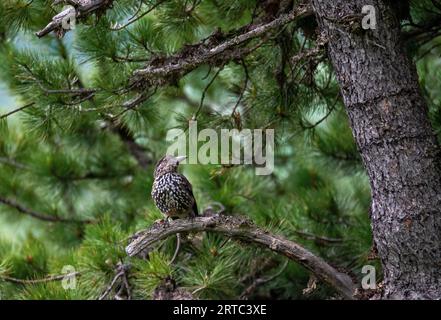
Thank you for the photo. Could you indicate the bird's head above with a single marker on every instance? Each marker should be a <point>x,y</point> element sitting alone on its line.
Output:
<point>167,164</point>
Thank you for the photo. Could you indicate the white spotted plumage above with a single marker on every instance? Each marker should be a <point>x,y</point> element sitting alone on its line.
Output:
<point>171,191</point>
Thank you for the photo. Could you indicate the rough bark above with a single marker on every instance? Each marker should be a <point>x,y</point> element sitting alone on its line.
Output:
<point>242,229</point>
<point>389,121</point>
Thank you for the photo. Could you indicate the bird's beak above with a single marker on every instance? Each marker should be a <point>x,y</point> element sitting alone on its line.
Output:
<point>181,158</point>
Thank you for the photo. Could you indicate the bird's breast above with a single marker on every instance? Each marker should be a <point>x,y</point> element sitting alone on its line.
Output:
<point>170,194</point>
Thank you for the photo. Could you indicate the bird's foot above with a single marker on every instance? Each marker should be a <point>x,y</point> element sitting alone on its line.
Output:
<point>163,222</point>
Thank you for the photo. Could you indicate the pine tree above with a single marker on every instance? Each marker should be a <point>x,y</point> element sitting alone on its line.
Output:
<point>93,108</point>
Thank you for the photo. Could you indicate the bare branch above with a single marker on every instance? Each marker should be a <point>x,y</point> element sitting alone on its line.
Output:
<point>13,163</point>
<point>201,104</point>
<point>320,240</point>
<point>135,17</point>
<point>330,109</point>
<point>310,53</point>
<point>121,279</point>
<point>80,91</point>
<point>247,77</point>
<point>167,290</point>
<point>16,110</point>
<point>135,102</point>
<point>43,280</point>
<point>38,215</point>
<point>259,281</point>
<point>242,229</point>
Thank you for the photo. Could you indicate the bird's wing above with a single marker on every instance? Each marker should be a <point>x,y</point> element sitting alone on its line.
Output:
<point>195,207</point>
<point>189,188</point>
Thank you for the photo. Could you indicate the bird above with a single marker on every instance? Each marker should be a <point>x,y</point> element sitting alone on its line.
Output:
<point>172,193</point>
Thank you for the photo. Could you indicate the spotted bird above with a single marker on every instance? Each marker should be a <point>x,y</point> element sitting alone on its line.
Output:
<point>172,192</point>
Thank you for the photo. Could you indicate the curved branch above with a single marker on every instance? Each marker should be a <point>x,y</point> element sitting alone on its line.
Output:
<point>242,229</point>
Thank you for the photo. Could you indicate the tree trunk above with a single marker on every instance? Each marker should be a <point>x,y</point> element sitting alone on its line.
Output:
<point>389,121</point>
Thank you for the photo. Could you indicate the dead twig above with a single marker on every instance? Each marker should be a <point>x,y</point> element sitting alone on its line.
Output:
<point>259,281</point>
<point>135,17</point>
<point>201,104</point>
<point>247,78</point>
<point>121,275</point>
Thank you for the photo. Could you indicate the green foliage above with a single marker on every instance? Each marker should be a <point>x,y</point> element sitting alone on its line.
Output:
<point>148,275</point>
<point>211,273</point>
<point>18,15</point>
<point>74,155</point>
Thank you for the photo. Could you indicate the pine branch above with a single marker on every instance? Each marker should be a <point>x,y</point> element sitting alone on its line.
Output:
<point>210,51</point>
<point>424,32</point>
<point>80,91</point>
<point>259,267</point>
<point>242,92</point>
<point>13,163</point>
<point>136,150</point>
<point>201,103</point>
<point>242,229</point>
<point>38,215</point>
<point>137,17</point>
<point>121,279</point>
<point>319,240</point>
<point>168,290</point>
<point>99,176</point>
<point>43,280</point>
<point>85,93</point>
<point>3,116</point>
<point>83,9</point>
<point>259,281</point>
<point>312,52</point>
<point>135,102</point>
